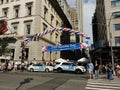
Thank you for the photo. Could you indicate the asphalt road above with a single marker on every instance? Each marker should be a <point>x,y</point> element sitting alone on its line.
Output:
<point>42,81</point>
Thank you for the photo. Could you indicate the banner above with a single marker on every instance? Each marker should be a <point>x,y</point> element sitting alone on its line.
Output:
<point>3,27</point>
<point>38,35</point>
<point>62,47</point>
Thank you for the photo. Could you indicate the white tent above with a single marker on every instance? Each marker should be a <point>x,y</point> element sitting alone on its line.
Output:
<point>60,60</point>
<point>83,60</point>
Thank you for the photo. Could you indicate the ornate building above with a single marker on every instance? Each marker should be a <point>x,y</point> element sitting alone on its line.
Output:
<point>28,17</point>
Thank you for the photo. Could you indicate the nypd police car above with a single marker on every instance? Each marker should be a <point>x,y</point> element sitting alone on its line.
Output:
<point>69,66</point>
<point>40,67</point>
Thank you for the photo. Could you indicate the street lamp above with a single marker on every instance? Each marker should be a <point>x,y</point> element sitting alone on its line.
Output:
<point>111,48</point>
<point>110,40</point>
<point>22,51</point>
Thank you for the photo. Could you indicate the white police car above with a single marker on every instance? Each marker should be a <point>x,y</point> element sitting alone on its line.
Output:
<point>69,66</point>
<point>40,67</point>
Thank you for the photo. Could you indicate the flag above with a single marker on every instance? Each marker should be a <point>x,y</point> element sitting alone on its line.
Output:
<point>84,45</point>
<point>3,28</point>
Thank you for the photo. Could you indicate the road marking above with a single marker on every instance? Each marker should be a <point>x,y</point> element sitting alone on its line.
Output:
<point>103,84</point>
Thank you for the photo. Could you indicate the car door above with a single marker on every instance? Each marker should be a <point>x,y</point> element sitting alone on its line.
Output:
<point>41,67</point>
<point>65,66</point>
<point>72,67</point>
<point>36,67</point>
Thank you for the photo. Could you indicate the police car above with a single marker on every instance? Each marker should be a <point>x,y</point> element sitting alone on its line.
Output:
<point>40,67</point>
<point>69,66</point>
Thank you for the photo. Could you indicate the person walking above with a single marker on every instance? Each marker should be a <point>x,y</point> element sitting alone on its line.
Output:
<point>109,71</point>
<point>22,66</point>
<point>90,69</point>
<point>96,68</point>
<point>118,70</point>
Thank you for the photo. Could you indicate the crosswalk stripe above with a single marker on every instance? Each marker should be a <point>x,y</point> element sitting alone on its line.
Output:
<point>111,87</point>
<point>103,84</point>
<point>115,84</point>
<point>90,88</point>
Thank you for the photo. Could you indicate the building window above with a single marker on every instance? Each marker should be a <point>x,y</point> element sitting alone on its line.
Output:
<point>2,2</point>
<point>44,26</point>
<point>116,14</point>
<point>7,1</point>
<point>16,9</point>
<point>115,3</point>
<point>28,29</point>
<point>57,23</point>
<point>29,8</point>
<point>45,12</point>
<point>51,36</point>
<point>16,13</point>
<point>15,29</point>
<point>117,27</point>
<point>5,11</point>
<point>117,41</point>
<point>52,18</point>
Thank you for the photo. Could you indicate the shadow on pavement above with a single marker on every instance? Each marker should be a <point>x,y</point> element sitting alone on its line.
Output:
<point>27,80</point>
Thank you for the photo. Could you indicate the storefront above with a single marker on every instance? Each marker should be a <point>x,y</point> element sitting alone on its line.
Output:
<point>103,55</point>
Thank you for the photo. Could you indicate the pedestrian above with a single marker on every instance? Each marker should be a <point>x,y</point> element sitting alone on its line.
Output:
<point>15,66</point>
<point>115,68</point>
<point>90,67</point>
<point>96,68</point>
<point>109,71</point>
<point>6,66</point>
<point>22,66</point>
<point>118,70</point>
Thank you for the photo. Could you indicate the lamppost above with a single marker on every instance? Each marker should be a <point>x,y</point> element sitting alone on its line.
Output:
<point>110,41</point>
<point>22,51</point>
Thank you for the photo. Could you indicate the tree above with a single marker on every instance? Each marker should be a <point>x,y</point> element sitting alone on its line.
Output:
<point>3,46</point>
<point>4,42</point>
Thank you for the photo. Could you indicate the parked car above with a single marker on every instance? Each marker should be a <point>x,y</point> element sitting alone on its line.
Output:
<point>69,66</point>
<point>40,67</point>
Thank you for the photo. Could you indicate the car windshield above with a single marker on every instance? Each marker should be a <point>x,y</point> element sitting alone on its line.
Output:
<point>57,63</point>
<point>37,64</point>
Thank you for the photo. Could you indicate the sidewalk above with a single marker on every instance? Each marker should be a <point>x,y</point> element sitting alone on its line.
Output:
<point>104,76</point>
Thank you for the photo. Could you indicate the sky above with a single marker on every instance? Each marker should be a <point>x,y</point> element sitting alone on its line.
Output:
<point>88,12</point>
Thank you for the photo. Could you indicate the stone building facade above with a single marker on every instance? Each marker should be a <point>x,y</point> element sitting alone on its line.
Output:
<point>26,18</point>
<point>106,29</point>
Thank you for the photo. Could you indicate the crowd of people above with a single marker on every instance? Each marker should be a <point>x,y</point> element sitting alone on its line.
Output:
<point>14,66</point>
<point>96,69</point>
<point>8,66</point>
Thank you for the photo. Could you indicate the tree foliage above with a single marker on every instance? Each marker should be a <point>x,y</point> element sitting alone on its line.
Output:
<point>4,43</point>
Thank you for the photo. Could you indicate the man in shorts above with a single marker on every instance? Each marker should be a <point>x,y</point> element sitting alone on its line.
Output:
<point>90,69</point>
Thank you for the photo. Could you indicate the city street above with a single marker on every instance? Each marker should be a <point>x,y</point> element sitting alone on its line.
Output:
<point>42,81</point>
<point>54,81</point>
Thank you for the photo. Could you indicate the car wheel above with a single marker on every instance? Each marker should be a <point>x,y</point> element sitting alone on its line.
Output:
<point>59,69</point>
<point>31,70</point>
<point>46,70</point>
<point>78,71</point>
